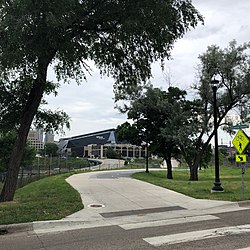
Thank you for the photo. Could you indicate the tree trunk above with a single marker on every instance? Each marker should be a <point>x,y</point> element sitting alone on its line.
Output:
<point>169,168</point>
<point>193,173</point>
<point>194,168</point>
<point>33,102</point>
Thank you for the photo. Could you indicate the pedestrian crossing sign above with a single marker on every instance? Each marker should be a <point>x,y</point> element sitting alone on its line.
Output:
<point>240,141</point>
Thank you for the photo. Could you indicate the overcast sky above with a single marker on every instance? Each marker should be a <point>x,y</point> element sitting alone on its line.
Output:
<point>91,105</point>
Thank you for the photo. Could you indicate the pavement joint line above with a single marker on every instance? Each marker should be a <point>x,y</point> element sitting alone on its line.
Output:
<point>141,211</point>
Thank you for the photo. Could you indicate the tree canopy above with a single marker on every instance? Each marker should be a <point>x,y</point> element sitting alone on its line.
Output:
<point>160,118</point>
<point>69,32</point>
<point>122,37</point>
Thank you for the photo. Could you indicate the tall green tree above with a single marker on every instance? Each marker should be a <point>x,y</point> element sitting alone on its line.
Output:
<point>143,111</point>
<point>122,37</point>
<point>177,115</point>
<point>159,117</point>
<point>232,65</point>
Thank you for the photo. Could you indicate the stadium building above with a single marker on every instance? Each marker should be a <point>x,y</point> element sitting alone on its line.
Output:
<point>95,145</point>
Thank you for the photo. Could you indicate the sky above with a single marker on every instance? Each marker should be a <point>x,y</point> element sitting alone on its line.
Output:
<point>91,104</point>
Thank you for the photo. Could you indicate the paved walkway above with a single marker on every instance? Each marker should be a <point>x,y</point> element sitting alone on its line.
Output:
<point>112,198</point>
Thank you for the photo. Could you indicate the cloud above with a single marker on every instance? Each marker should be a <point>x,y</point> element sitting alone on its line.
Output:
<point>91,105</point>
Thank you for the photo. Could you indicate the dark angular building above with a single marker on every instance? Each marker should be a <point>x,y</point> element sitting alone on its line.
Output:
<point>94,145</point>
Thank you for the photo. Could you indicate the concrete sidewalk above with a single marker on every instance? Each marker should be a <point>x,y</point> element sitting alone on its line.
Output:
<point>112,198</point>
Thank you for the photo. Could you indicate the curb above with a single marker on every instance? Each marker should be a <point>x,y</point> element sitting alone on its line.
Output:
<point>16,228</point>
<point>245,203</point>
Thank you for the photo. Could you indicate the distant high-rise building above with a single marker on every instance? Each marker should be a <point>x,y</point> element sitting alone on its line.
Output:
<point>35,138</point>
<point>49,137</point>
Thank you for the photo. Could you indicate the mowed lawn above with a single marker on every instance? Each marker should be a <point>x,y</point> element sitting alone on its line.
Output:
<point>231,181</point>
<point>50,198</point>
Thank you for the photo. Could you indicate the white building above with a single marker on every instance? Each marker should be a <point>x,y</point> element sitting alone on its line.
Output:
<point>35,139</point>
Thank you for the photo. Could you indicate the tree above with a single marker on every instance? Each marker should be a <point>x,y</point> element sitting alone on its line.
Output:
<point>159,117</point>
<point>112,154</point>
<point>13,96</point>
<point>142,112</point>
<point>232,65</point>
<point>6,143</point>
<point>179,121</point>
<point>28,156</point>
<point>50,148</point>
<point>127,132</point>
<point>171,122</point>
<point>122,37</point>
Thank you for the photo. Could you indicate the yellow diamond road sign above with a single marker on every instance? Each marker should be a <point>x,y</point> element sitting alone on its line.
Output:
<point>241,158</point>
<point>240,141</point>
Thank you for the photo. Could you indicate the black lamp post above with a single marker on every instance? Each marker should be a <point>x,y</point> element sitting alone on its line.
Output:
<point>147,171</point>
<point>145,143</point>
<point>146,132</point>
<point>217,185</point>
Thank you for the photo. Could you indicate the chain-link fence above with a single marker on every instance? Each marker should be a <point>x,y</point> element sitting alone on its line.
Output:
<point>47,166</point>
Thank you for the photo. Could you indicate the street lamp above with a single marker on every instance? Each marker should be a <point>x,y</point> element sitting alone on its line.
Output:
<point>147,171</point>
<point>146,154</point>
<point>145,143</point>
<point>217,185</point>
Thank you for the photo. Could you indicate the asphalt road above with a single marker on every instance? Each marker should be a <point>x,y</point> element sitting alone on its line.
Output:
<point>116,237</point>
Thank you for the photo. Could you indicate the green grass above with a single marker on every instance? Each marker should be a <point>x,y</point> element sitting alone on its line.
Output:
<point>231,180</point>
<point>53,198</point>
<point>47,199</point>
<point>140,163</point>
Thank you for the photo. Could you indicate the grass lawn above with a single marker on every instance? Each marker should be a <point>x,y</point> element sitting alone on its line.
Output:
<point>231,180</point>
<point>47,199</point>
<point>53,198</point>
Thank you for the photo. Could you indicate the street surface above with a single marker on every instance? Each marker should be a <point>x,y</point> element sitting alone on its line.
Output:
<point>122,213</point>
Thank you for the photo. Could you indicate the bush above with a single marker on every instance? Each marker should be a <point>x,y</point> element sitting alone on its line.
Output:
<point>112,154</point>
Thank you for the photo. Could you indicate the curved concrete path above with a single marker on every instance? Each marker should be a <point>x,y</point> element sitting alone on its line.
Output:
<point>112,198</point>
